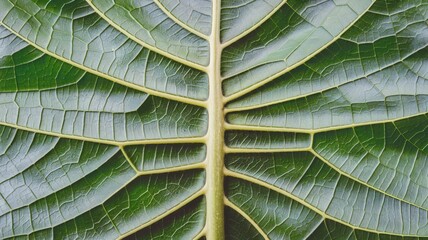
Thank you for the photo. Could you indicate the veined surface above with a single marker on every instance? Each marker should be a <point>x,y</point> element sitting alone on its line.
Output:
<point>222,119</point>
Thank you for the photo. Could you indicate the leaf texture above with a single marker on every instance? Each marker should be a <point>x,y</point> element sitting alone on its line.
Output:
<point>213,119</point>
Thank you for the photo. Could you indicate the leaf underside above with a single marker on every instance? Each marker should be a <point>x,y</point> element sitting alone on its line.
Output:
<point>106,119</point>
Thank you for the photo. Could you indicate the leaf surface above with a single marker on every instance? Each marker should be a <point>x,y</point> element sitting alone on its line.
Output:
<point>213,119</point>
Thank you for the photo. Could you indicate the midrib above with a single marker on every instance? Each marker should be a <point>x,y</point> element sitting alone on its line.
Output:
<point>215,135</point>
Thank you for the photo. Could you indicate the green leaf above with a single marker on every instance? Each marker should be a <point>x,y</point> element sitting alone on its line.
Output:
<point>214,119</point>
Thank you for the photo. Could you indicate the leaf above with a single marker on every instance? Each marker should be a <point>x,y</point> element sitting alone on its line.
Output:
<point>204,119</point>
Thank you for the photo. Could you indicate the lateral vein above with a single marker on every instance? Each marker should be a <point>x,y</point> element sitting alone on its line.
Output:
<point>165,95</point>
<point>148,46</point>
<point>303,202</point>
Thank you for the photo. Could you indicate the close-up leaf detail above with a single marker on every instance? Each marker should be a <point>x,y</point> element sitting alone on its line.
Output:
<point>214,119</point>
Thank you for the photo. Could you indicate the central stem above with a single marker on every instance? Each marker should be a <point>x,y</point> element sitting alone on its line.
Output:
<point>215,143</point>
